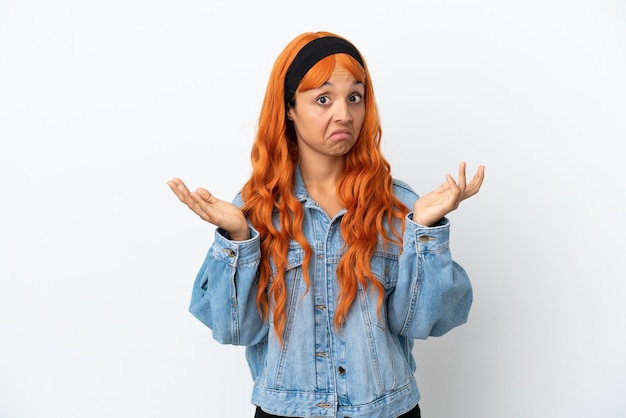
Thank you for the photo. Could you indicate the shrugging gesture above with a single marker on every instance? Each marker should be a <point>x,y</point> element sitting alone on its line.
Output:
<point>333,285</point>
<point>218,212</point>
<point>430,208</point>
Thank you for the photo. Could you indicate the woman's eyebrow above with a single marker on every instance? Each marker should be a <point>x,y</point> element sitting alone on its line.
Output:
<point>356,83</point>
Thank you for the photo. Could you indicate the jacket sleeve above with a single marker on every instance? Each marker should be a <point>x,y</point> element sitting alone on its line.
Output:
<point>433,294</point>
<point>224,291</point>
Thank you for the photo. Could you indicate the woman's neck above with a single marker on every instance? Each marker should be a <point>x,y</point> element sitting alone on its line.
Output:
<point>321,179</point>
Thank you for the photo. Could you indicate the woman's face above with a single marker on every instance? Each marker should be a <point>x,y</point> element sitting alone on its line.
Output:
<point>328,119</point>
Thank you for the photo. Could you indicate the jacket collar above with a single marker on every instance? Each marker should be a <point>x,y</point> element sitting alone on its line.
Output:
<point>299,189</point>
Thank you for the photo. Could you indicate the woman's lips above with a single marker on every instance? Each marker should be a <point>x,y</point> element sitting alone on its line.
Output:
<point>341,134</point>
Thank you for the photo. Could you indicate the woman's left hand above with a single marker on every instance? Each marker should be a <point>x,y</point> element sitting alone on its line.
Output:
<point>430,208</point>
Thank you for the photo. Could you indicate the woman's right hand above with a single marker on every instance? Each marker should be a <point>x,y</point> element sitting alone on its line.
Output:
<point>220,213</point>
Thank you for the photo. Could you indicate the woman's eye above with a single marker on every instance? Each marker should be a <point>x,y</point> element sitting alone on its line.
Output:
<point>322,100</point>
<point>356,98</point>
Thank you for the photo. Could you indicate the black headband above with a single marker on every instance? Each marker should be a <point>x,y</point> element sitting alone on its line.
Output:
<point>310,54</point>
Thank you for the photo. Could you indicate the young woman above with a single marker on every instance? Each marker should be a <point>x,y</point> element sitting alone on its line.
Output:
<point>324,266</point>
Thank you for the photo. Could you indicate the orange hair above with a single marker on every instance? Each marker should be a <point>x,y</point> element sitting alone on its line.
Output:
<point>365,190</point>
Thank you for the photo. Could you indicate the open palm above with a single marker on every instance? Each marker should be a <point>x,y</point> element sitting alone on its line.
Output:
<point>430,208</point>
<point>218,212</point>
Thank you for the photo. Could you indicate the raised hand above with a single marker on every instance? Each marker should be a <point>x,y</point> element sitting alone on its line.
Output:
<point>430,208</point>
<point>218,212</point>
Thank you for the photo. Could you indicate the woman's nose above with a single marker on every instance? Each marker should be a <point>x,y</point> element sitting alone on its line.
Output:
<point>342,111</point>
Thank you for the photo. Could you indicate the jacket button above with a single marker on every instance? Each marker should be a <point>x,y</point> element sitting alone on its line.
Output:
<point>425,238</point>
<point>341,370</point>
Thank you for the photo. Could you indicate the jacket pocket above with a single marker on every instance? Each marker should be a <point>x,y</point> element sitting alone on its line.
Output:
<point>385,269</point>
<point>281,361</point>
<point>293,277</point>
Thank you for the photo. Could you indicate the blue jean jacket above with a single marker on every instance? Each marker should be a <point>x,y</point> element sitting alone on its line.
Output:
<point>364,369</point>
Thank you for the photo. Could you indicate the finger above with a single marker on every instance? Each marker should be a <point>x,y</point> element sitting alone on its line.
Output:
<point>462,177</point>
<point>199,206</point>
<point>477,181</point>
<point>198,201</point>
<point>451,183</point>
<point>172,186</point>
<point>205,198</point>
<point>180,190</point>
<point>479,176</point>
<point>204,203</point>
<point>176,182</point>
<point>206,195</point>
<point>445,185</point>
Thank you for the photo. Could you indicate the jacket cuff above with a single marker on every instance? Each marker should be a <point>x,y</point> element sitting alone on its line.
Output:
<point>237,253</point>
<point>427,238</point>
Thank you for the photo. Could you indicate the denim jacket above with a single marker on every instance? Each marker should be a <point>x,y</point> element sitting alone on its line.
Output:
<point>364,369</point>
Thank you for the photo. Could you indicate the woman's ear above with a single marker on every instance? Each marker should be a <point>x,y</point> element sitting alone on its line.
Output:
<point>289,113</point>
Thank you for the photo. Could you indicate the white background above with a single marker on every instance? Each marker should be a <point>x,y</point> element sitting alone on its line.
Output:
<point>102,102</point>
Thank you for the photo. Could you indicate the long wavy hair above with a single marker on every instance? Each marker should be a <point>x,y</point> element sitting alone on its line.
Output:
<point>365,190</point>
